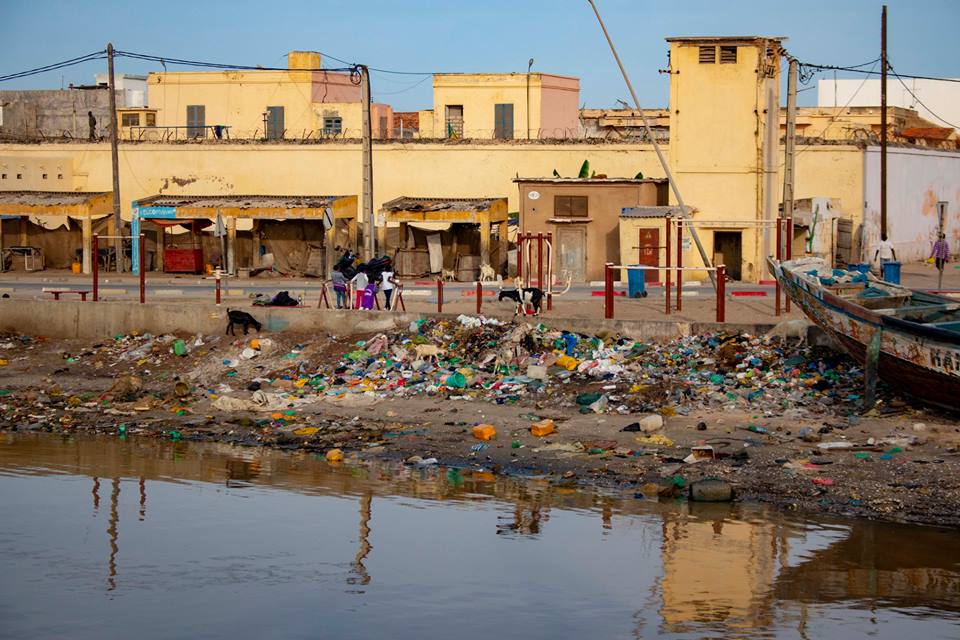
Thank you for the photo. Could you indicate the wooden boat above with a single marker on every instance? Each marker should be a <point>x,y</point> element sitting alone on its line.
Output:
<point>910,339</point>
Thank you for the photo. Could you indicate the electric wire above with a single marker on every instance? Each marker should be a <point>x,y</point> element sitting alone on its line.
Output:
<point>919,101</point>
<point>96,55</point>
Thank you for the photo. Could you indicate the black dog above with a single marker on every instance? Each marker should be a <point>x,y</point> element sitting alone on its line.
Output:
<point>522,297</point>
<point>242,318</point>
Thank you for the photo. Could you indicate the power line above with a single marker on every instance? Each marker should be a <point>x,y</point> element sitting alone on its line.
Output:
<point>856,69</point>
<point>919,101</point>
<point>96,55</point>
<point>217,65</point>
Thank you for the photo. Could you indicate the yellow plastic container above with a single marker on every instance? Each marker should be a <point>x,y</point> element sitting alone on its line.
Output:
<point>75,267</point>
<point>567,362</point>
<point>543,428</point>
<point>484,432</point>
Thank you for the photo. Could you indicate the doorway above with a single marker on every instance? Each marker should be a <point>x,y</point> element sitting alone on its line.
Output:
<point>572,252</point>
<point>649,248</point>
<point>728,251</point>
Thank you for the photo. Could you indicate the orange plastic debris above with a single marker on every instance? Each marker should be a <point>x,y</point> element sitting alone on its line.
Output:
<point>484,432</point>
<point>334,455</point>
<point>543,428</point>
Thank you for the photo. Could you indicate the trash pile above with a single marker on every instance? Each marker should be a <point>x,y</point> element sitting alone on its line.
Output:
<point>475,358</point>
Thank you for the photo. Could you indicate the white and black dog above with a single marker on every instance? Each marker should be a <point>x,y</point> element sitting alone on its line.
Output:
<point>522,297</point>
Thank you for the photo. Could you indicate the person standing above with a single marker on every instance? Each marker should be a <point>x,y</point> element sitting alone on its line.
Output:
<point>885,251</point>
<point>339,287</point>
<point>92,121</point>
<point>388,285</point>
<point>941,252</point>
<point>359,283</point>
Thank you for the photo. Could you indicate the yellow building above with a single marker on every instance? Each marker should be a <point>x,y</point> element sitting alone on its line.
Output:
<point>303,101</point>
<point>505,106</point>
<point>724,109</point>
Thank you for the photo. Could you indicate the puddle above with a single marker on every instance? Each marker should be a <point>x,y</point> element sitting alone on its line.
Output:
<point>102,538</point>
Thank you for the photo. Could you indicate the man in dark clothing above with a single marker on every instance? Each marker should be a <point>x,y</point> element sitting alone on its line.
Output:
<point>93,126</point>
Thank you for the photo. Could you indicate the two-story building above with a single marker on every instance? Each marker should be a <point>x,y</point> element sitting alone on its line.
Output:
<point>303,101</point>
<point>504,106</point>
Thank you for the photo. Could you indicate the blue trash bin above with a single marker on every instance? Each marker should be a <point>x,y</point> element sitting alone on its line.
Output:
<point>890,271</point>
<point>862,267</point>
<point>636,282</point>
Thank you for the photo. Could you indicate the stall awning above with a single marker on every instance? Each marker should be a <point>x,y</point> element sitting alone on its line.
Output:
<point>431,226</point>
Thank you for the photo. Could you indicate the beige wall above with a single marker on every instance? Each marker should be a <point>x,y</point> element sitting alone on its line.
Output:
<point>605,200</point>
<point>238,99</point>
<point>552,103</point>
<point>422,169</point>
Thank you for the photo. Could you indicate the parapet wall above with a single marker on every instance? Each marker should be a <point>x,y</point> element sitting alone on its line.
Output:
<point>93,320</point>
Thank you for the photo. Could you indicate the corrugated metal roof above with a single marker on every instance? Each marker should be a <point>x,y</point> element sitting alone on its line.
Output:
<point>49,198</point>
<point>649,212</point>
<point>591,180</point>
<point>239,201</point>
<point>405,203</point>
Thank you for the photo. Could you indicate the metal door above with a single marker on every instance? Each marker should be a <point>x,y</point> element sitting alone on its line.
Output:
<point>649,253</point>
<point>572,253</point>
<point>503,121</point>
<point>274,123</point>
<point>844,241</point>
<point>196,120</point>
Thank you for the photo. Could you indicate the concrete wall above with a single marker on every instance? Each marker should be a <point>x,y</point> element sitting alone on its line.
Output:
<point>89,320</point>
<point>238,99</point>
<point>54,113</point>
<point>552,103</point>
<point>943,97</point>
<point>916,180</point>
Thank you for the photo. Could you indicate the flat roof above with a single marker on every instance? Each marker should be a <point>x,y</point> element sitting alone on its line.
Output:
<point>239,201</point>
<point>591,180</point>
<point>724,38</point>
<point>649,212</point>
<point>407,203</point>
<point>49,198</point>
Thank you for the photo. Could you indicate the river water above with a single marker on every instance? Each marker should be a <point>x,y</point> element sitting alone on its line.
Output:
<point>103,538</point>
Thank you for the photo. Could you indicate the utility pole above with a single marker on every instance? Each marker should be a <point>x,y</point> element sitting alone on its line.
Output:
<point>369,247</point>
<point>883,122</point>
<point>789,155</point>
<point>115,162</point>
<point>656,147</point>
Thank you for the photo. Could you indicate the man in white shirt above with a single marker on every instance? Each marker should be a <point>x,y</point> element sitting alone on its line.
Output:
<point>885,251</point>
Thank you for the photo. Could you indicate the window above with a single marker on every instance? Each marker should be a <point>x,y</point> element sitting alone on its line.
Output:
<point>196,120</point>
<point>3,176</point>
<point>503,121</point>
<point>332,125</point>
<point>44,176</point>
<point>708,55</point>
<point>59,176</point>
<point>454,121</point>
<point>130,120</point>
<point>570,206</point>
<point>728,55</point>
<point>19,176</point>
<point>151,119</point>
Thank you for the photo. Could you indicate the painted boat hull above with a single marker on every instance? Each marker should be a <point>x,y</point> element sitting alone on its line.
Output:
<point>919,365</point>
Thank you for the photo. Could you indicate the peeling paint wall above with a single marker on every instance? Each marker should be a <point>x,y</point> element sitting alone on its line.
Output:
<point>916,180</point>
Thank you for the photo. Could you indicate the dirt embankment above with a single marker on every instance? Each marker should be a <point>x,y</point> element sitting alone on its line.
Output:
<point>779,424</point>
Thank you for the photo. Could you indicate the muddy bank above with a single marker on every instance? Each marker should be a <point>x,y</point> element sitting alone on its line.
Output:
<point>780,424</point>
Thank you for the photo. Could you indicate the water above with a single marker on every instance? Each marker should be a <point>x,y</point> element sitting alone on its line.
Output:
<point>108,539</point>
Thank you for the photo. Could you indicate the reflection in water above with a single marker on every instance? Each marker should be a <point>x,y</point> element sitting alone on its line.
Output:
<point>706,569</point>
<point>143,498</point>
<point>112,531</point>
<point>363,545</point>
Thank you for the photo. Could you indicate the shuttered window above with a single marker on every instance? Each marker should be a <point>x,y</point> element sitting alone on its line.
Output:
<point>503,121</point>
<point>570,206</point>
<point>708,55</point>
<point>728,55</point>
<point>196,120</point>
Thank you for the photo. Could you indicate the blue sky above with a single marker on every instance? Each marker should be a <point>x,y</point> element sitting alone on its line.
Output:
<point>467,35</point>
